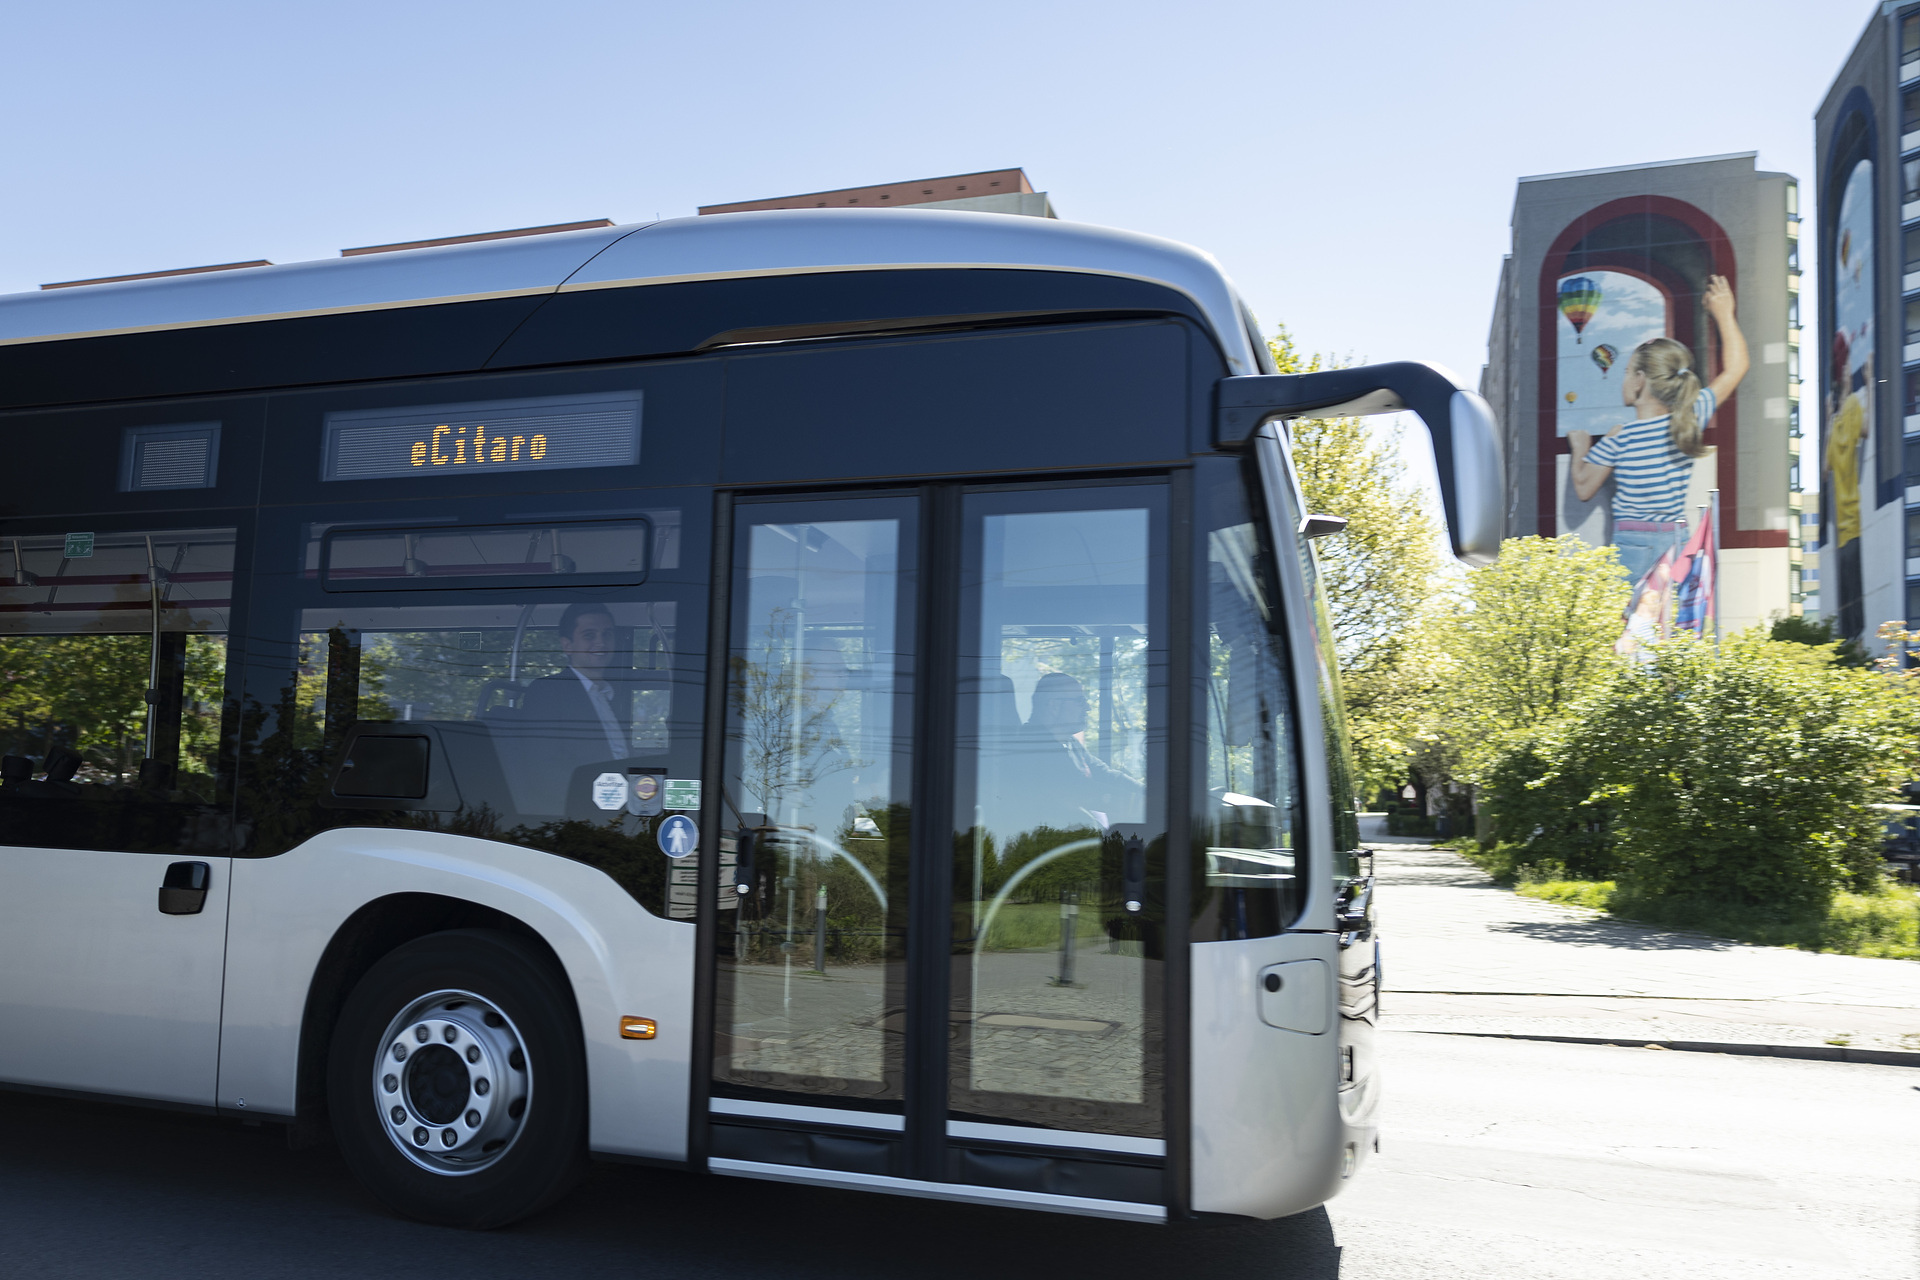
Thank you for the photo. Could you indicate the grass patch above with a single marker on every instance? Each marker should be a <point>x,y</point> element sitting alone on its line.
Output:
<point>1506,862</point>
<point>1035,926</point>
<point>1883,925</point>
<point>1597,894</point>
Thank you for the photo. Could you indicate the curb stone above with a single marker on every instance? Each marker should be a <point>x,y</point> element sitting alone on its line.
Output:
<point>1816,1052</point>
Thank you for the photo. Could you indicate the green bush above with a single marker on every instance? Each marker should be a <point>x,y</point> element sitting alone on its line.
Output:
<point>1540,804</point>
<point>1745,775</point>
<point>1741,777</point>
<point>1409,824</point>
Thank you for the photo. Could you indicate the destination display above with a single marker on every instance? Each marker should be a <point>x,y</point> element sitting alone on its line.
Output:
<point>546,433</point>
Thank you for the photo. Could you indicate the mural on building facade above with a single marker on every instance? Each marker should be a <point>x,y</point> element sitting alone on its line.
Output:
<point>1634,396</point>
<point>1847,399</point>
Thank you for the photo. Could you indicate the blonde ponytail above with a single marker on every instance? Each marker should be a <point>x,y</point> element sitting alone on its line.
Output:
<point>1668,367</point>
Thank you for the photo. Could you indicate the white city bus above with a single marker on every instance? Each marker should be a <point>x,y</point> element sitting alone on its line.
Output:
<point>828,696</point>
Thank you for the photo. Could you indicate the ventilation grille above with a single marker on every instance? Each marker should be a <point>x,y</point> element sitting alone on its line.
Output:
<point>171,457</point>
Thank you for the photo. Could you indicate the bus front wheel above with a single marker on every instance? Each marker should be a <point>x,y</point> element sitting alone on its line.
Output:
<point>457,1081</point>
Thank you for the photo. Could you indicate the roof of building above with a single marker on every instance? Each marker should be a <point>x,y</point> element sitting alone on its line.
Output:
<point>891,195</point>
<point>1629,168</point>
<point>791,242</point>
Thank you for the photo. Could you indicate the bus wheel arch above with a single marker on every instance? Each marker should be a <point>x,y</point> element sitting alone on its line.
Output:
<point>363,939</point>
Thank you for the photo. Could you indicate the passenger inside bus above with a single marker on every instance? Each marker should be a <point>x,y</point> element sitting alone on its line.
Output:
<point>1057,781</point>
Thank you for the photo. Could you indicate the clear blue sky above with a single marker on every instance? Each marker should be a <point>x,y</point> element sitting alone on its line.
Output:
<point>1352,165</point>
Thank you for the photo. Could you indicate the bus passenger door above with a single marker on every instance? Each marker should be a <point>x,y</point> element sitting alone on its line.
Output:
<point>810,1027</point>
<point>114,812</point>
<point>941,935</point>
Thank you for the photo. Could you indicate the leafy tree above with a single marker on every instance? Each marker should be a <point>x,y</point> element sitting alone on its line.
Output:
<point>1532,636</point>
<point>1847,652</point>
<point>1380,573</point>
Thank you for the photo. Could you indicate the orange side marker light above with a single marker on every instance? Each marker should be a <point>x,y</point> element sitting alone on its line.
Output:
<point>637,1028</point>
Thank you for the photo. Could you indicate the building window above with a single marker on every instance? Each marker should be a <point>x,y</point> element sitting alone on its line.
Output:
<point>1913,319</point>
<point>1913,602</point>
<point>1909,112</point>
<point>1793,255</point>
<point>1913,532</point>
<point>1913,391</point>
<point>1793,311</point>
<point>1913,460</point>
<point>1909,40</point>
<point>1793,475</point>
<point>1910,180</point>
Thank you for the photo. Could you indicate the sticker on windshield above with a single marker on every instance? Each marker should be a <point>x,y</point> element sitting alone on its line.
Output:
<point>610,790</point>
<point>678,836</point>
<point>683,793</point>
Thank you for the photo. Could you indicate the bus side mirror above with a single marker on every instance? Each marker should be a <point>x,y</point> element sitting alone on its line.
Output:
<point>1466,440</point>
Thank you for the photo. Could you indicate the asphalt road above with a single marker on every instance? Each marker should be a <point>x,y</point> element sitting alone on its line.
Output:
<point>1502,1158</point>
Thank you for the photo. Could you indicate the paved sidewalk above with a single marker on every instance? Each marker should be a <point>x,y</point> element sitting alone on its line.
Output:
<point>1462,954</point>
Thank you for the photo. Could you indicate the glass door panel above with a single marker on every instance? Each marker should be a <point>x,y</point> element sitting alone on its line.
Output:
<point>1057,911</point>
<point>811,982</point>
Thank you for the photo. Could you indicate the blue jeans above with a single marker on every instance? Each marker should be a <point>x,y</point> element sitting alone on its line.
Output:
<point>1641,549</point>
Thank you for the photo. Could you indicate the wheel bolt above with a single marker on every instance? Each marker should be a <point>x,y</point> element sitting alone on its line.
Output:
<point>448,1137</point>
<point>399,1115</point>
<point>452,1033</point>
<point>481,1086</point>
<point>473,1053</point>
<point>495,1020</point>
<point>421,1033</point>
<point>390,1083</point>
<point>419,1136</point>
<point>473,1119</point>
<point>517,1060</point>
<point>399,1053</point>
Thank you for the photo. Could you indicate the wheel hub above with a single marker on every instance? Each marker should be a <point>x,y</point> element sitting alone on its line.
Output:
<point>452,1082</point>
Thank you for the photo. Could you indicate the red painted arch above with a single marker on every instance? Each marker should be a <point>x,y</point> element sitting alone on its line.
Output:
<point>1724,432</point>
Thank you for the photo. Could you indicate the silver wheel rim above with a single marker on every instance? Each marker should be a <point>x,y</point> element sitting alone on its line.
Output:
<point>451,1082</point>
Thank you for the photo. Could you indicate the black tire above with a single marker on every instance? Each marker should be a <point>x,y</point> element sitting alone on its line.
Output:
<point>517,991</point>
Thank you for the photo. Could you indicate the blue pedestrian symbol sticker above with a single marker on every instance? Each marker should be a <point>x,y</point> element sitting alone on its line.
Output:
<point>678,836</point>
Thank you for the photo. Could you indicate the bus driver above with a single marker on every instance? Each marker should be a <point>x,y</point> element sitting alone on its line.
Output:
<point>578,715</point>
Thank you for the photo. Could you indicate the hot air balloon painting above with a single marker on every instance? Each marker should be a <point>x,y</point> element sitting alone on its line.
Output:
<point>1579,299</point>
<point>1604,355</point>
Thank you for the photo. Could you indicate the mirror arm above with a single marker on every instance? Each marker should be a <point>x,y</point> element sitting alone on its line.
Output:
<point>1466,442</point>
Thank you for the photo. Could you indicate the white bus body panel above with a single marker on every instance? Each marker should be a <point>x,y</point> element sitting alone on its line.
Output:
<point>99,992</point>
<point>620,959</point>
<point>723,246</point>
<point>1268,1135</point>
<point>775,242</point>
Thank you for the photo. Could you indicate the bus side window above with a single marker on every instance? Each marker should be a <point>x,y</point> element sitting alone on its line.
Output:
<point>1248,879</point>
<point>114,652</point>
<point>537,721</point>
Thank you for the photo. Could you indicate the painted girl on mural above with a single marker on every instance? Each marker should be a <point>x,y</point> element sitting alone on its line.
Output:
<point>1651,457</point>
